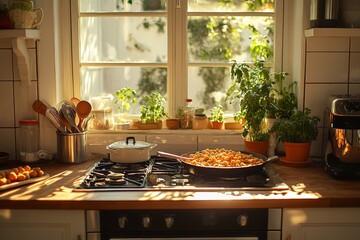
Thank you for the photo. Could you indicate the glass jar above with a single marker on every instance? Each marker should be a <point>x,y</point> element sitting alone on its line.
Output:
<point>199,122</point>
<point>29,140</point>
<point>186,121</point>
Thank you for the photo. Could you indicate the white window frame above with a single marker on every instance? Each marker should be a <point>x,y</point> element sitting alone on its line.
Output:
<point>177,66</point>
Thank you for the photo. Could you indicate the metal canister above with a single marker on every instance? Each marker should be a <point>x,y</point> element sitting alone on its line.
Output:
<point>71,147</point>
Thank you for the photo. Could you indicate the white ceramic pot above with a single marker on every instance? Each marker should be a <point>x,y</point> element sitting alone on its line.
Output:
<point>130,151</point>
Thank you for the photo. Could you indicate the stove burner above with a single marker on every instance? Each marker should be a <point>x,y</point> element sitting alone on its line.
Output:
<point>164,173</point>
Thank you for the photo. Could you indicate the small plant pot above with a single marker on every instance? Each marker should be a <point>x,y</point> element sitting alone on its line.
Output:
<point>233,126</point>
<point>257,147</point>
<point>149,126</point>
<point>173,123</point>
<point>297,152</point>
<point>217,125</point>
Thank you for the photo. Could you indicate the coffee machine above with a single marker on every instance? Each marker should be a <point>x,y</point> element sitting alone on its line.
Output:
<point>342,156</point>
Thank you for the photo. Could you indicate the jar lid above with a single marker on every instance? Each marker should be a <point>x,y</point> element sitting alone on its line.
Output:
<point>189,100</point>
<point>29,122</point>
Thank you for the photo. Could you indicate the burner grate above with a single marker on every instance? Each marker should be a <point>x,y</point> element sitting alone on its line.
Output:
<point>164,173</point>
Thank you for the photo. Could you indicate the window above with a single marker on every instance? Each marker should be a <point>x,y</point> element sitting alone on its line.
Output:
<point>182,49</point>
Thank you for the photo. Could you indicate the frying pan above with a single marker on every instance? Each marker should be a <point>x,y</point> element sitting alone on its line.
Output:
<point>226,172</point>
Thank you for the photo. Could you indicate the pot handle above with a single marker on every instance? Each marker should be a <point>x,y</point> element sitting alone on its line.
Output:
<point>130,138</point>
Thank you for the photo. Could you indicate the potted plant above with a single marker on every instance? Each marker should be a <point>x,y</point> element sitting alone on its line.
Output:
<point>152,111</point>
<point>217,117</point>
<point>283,104</point>
<point>174,123</point>
<point>251,86</point>
<point>125,97</point>
<point>297,133</point>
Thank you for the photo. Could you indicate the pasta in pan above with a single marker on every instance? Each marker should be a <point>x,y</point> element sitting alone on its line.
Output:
<point>221,157</point>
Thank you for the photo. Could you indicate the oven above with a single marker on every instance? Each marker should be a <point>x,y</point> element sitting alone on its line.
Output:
<point>184,224</point>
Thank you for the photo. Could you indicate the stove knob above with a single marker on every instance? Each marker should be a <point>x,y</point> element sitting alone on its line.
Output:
<point>169,222</point>
<point>146,222</point>
<point>122,221</point>
<point>242,220</point>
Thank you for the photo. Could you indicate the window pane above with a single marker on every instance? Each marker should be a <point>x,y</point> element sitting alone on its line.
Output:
<point>235,5</point>
<point>209,86</point>
<point>121,5</point>
<point>222,39</point>
<point>145,80</point>
<point>123,39</point>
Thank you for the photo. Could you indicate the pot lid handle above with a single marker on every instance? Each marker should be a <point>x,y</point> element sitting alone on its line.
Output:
<point>130,138</point>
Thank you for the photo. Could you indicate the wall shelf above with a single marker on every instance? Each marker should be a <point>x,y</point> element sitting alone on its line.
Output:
<point>332,32</point>
<point>19,37</point>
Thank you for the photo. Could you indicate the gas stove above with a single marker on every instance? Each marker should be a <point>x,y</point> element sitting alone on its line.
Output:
<point>160,173</point>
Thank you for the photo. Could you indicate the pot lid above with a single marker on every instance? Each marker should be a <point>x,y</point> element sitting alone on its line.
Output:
<point>130,143</point>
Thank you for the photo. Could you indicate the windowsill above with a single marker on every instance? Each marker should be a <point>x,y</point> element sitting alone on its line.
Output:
<point>168,131</point>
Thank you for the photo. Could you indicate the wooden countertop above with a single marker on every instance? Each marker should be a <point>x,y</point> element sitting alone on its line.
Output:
<point>310,186</point>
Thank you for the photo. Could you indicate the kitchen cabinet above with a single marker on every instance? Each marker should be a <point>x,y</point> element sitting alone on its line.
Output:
<point>42,224</point>
<point>321,223</point>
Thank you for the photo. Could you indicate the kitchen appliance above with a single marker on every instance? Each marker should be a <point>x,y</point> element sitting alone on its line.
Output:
<point>160,173</point>
<point>180,224</point>
<point>343,148</point>
<point>165,174</point>
<point>324,13</point>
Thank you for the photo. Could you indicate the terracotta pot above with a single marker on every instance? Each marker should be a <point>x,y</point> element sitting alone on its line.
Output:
<point>173,123</point>
<point>297,152</point>
<point>217,125</point>
<point>149,126</point>
<point>233,125</point>
<point>257,147</point>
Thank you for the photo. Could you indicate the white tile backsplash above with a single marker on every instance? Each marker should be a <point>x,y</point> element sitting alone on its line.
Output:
<point>317,95</point>
<point>327,67</point>
<point>32,56</point>
<point>6,72</point>
<point>176,144</point>
<point>354,72</point>
<point>7,141</point>
<point>355,45</point>
<point>16,98</point>
<point>7,106</point>
<point>235,142</point>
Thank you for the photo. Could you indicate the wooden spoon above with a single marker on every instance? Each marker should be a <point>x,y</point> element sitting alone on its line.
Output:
<point>83,109</point>
<point>75,101</point>
<point>39,107</point>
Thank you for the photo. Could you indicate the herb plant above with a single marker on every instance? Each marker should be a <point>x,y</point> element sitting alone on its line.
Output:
<point>217,114</point>
<point>152,109</point>
<point>125,96</point>
<point>251,86</point>
<point>301,127</point>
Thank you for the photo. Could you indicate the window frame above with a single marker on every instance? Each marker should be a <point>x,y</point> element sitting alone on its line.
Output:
<point>177,65</point>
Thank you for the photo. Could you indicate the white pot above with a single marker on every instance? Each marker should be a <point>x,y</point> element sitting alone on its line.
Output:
<point>130,151</point>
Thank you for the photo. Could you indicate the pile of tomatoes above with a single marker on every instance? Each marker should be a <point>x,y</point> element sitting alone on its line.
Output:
<point>19,174</point>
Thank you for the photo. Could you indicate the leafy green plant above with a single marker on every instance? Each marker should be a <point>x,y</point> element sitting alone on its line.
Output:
<point>251,86</point>
<point>284,100</point>
<point>125,97</point>
<point>152,109</point>
<point>301,127</point>
<point>217,114</point>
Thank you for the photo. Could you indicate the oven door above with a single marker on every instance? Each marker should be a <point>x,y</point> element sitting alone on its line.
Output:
<point>190,224</point>
<point>96,236</point>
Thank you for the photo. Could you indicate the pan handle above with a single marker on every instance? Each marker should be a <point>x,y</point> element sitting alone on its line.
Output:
<point>272,158</point>
<point>173,156</point>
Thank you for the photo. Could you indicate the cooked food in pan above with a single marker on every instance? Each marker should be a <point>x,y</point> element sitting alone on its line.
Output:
<point>221,157</point>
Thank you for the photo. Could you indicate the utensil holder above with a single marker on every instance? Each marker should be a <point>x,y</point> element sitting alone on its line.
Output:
<point>71,147</point>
